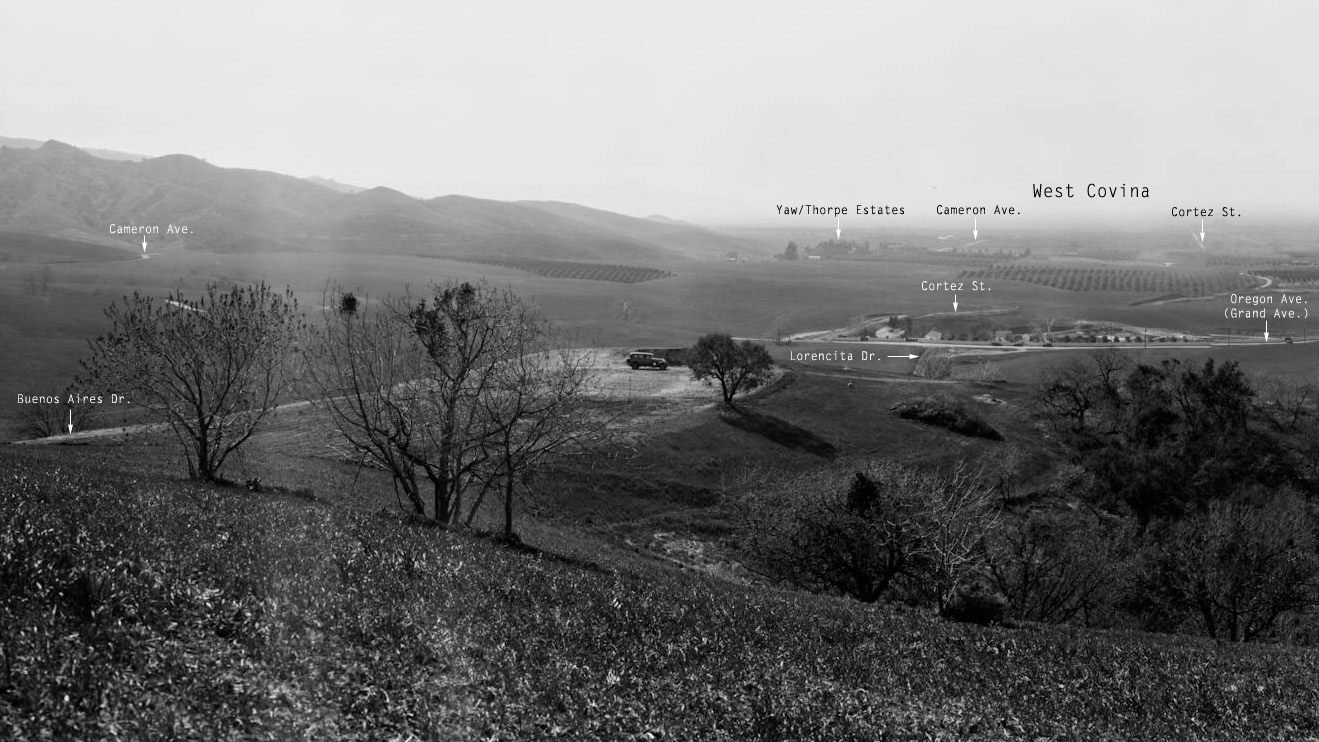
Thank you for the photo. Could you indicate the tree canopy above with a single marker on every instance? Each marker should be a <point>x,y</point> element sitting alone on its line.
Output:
<point>464,389</point>
<point>736,365</point>
<point>1164,438</point>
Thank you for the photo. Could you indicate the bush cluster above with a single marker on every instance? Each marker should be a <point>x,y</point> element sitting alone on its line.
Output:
<point>949,413</point>
<point>882,531</point>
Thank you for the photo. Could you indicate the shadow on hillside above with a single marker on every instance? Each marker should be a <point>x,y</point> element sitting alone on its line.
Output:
<point>779,431</point>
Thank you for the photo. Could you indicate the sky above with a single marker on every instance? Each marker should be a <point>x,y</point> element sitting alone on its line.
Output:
<point>709,111</point>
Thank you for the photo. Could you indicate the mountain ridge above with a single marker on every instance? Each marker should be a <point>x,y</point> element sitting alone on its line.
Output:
<point>63,190</point>
<point>105,154</point>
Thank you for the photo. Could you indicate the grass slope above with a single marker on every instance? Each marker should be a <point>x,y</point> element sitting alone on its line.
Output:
<point>33,248</point>
<point>138,607</point>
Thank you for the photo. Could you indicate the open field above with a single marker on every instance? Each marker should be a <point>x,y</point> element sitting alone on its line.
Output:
<point>1280,359</point>
<point>48,311</point>
<point>20,247</point>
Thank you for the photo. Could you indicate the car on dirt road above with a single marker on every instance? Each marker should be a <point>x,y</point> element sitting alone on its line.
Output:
<point>639,358</point>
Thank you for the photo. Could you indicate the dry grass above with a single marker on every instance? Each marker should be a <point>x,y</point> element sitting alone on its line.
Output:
<point>137,607</point>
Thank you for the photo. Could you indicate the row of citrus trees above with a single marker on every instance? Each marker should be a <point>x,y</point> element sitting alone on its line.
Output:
<point>1292,277</point>
<point>1115,279</point>
<point>581,271</point>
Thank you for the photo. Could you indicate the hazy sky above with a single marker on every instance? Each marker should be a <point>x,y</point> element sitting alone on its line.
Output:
<point>713,111</point>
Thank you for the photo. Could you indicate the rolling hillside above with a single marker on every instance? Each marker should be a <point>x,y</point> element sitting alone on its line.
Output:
<point>675,235</point>
<point>59,190</point>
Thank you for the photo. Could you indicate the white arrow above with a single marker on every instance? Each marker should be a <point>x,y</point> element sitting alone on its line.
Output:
<point>144,244</point>
<point>838,227</point>
<point>1266,331</point>
<point>954,302</point>
<point>70,419</point>
<point>1202,232</point>
<point>975,229</point>
<point>909,357</point>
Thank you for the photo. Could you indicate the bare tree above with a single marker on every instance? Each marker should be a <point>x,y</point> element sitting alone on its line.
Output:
<point>1059,566</point>
<point>44,419</point>
<point>1071,393</point>
<point>861,532</point>
<point>467,331</point>
<point>1043,328</point>
<point>958,512</point>
<point>213,368</point>
<point>854,532</point>
<point>1240,565</point>
<point>1287,401</point>
<point>363,365</point>
<point>463,389</point>
<point>538,412</point>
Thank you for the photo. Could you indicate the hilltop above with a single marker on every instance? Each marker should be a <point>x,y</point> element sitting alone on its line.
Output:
<point>104,154</point>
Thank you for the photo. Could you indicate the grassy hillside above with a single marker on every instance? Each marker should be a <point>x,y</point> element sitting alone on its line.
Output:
<point>19,247</point>
<point>139,607</point>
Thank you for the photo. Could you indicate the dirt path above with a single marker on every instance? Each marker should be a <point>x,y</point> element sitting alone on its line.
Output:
<point>99,433</point>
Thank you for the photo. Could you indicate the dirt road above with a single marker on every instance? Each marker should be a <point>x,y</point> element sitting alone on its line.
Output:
<point>673,388</point>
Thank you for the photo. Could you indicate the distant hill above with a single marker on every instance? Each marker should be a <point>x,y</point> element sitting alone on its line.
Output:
<point>60,190</point>
<point>104,154</point>
<point>667,220</point>
<point>334,185</point>
<point>671,234</point>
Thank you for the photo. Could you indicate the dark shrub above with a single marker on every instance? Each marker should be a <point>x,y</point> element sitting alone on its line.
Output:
<point>946,413</point>
<point>347,303</point>
<point>1060,566</point>
<point>976,603</point>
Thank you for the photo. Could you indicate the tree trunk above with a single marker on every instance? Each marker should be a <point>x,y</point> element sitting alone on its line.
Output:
<point>508,508</point>
<point>204,472</point>
<point>413,492</point>
<point>441,499</point>
<point>1207,613</point>
<point>728,395</point>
